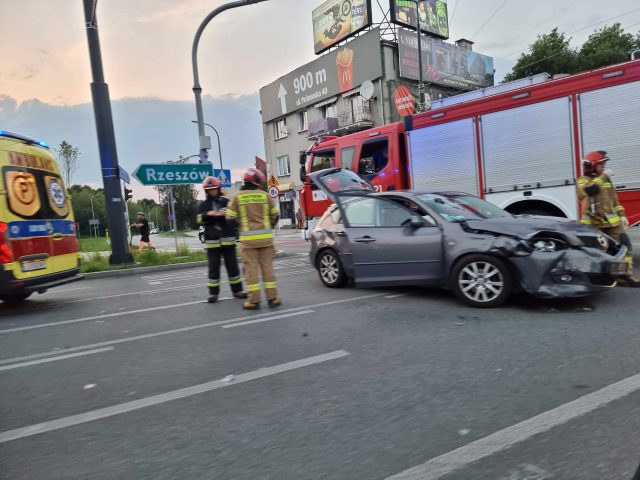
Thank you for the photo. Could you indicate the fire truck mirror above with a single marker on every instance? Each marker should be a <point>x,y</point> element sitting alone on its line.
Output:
<point>303,158</point>
<point>303,173</point>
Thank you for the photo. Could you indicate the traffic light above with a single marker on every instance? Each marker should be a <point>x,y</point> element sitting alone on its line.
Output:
<point>128,193</point>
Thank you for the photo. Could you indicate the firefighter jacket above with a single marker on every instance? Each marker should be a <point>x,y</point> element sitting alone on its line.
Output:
<point>217,230</point>
<point>256,215</point>
<point>599,201</point>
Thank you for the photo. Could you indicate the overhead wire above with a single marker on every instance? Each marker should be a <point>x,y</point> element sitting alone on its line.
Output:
<point>489,19</point>
<point>455,8</point>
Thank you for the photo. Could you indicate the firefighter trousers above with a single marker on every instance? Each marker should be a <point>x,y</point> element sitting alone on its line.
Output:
<point>256,261</point>
<point>215,255</point>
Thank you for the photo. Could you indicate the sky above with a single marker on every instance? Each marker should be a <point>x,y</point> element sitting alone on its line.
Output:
<point>146,49</point>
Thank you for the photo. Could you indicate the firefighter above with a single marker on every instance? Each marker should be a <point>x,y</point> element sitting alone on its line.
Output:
<point>220,239</point>
<point>256,215</point>
<point>600,206</point>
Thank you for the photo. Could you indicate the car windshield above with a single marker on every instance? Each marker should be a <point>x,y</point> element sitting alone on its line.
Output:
<point>344,180</point>
<point>458,207</point>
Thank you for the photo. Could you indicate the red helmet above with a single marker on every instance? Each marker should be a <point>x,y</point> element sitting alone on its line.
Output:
<point>210,183</point>
<point>591,159</point>
<point>255,176</point>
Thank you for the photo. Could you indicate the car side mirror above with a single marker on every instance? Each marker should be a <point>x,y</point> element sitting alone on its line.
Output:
<point>417,222</point>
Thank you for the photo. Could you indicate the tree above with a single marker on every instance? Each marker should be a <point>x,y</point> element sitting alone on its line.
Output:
<point>550,53</point>
<point>607,46</point>
<point>68,158</point>
<point>185,201</point>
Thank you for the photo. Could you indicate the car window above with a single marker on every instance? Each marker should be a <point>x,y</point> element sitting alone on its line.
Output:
<point>341,180</point>
<point>375,212</point>
<point>347,155</point>
<point>458,207</point>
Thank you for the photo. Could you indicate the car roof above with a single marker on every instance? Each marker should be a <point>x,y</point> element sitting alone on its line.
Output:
<point>415,192</point>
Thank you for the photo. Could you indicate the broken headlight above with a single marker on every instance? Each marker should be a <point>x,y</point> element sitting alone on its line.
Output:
<point>547,244</point>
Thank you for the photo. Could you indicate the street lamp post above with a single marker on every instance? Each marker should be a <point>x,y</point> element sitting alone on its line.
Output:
<point>197,89</point>
<point>218,137</point>
<point>93,215</point>
<point>421,98</point>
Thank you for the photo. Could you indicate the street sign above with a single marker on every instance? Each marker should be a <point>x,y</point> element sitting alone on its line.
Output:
<point>124,175</point>
<point>274,192</point>
<point>224,176</point>
<point>94,221</point>
<point>173,174</point>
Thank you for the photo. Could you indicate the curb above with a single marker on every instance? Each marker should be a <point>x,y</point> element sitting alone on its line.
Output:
<point>128,272</point>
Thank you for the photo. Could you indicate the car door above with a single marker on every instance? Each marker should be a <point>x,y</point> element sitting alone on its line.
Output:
<point>388,243</point>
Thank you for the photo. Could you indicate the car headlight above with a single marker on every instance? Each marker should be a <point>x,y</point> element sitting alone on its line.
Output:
<point>547,245</point>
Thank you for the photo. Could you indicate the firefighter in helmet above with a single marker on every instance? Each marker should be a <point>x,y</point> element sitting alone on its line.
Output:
<point>220,239</point>
<point>600,206</point>
<point>256,215</point>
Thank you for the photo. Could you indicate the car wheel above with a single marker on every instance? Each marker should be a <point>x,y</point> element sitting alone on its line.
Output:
<point>15,298</point>
<point>482,281</point>
<point>330,269</point>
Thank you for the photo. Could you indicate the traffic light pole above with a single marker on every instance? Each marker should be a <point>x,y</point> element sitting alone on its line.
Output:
<point>107,143</point>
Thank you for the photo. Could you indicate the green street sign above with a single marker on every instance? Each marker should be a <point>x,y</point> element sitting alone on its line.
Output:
<point>172,173</point>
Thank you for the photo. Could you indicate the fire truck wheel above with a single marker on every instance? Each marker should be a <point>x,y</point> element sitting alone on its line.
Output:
<point>330,269</point>
<point>481,281</point>
<point>15,298</point>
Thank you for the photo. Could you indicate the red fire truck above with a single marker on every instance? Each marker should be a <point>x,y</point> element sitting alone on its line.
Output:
<point>519,149</point>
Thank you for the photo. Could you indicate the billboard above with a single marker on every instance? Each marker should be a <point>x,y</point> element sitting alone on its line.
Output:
<point>443,63</point>
<point>335,20</point>
<point>336,72</point>
<point>433,16</point>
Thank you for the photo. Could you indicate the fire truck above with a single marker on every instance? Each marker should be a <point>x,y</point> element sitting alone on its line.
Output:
<point>517,146</point>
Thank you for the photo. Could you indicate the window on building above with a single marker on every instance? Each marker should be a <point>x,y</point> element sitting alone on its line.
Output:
<point>303,122</point>
<point>280,128</point>
<point>324,159</point>
<point>284,167</point>
<point>374,156</point>
<point>329,111</point>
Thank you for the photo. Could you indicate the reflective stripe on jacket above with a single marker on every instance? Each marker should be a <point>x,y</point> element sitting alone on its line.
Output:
<point>256,215</point>
<point>599,202</point>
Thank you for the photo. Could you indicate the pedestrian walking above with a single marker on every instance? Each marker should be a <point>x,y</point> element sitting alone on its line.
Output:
<point>220,240</point>
<point>255,214</point>
<point>143,227</point>
<point>601,208</point>
<point>299,219</point>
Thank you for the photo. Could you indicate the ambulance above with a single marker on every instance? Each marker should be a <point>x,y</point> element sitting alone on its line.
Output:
<point>39,248</point>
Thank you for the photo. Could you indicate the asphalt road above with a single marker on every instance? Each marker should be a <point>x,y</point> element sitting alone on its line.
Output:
<point>138,378</point>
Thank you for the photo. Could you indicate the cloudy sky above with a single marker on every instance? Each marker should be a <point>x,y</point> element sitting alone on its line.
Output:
<point>146,48</point>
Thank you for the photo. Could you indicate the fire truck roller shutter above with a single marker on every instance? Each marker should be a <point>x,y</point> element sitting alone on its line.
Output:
<point>611,121</point>
<point>444,157</point>
<point>529,147</point>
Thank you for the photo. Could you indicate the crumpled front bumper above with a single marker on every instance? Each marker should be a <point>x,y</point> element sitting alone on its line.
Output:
<point>569,273</point>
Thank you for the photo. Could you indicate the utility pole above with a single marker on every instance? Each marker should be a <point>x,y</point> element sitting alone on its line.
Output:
<point>421,97</point>
<point>204,141</point>
<point>106,143</point>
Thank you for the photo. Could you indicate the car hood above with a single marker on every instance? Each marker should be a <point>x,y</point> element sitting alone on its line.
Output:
<point>527,226</point>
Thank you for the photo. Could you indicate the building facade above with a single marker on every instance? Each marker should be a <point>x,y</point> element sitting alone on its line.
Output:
<point>352,88</point>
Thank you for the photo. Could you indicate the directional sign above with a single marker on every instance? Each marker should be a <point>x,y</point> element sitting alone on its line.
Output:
<point>173,174</point>
<point>274,192</point>
<point>124,175</point>
<point>224,176</point>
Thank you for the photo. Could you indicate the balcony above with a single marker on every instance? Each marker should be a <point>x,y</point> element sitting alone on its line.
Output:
<point>347,121</point>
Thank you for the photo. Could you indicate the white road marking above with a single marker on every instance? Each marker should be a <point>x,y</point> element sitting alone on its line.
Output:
<point>268,319</point>
<point>72,289</point>
<point>508,437</point>
<point>54,359</point>
<point>188,278</point>
<point>184,329</point>
<point>97,317</point>
<point>396,295</point>
<point>163,398</point>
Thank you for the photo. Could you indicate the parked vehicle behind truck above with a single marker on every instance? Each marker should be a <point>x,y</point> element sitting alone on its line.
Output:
<point>520,149</point>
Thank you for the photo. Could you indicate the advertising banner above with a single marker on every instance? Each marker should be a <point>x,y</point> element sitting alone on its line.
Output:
<point>336,72</point>
<point>443,63</point>
<point>432,14</point>
<point>335,20</point>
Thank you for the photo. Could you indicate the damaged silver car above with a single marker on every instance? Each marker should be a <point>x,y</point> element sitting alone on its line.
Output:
<point>454,240</point>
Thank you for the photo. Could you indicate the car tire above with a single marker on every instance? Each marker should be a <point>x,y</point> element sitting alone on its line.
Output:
<point>482,281</point>
<point>13,299</point>
<point>330,269</point>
